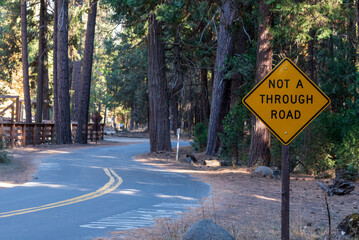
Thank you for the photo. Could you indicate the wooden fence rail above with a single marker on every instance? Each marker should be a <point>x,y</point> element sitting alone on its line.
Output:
<point>22,134</point>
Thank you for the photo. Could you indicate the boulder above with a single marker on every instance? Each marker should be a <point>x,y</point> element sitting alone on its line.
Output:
<point>188,160</point>
<point>212,163</point>
<point>265,171</point>
<point>350,225</point>
<point>206,230</point>
<point>192,157</point>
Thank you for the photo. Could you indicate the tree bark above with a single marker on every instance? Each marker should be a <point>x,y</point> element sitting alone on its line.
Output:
<point>157,88</point>
<point>55,84</point>
<point>46,95</point>
<point>41,64</point>
<point>81,134</point>
<point>237,80</point>
<point>76,83</point>
<point>225,48</point>
<point>63,84</point>
<point>25,63</point>
<point>260,140</point>
<point>204,106</point>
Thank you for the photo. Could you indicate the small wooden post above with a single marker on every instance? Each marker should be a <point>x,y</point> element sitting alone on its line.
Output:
<point>12,137</point>
<point>34,134</point>
<point>1,131</point>
<point>18,109</point>
<point>52,133</point>
<point>43,127</point>
<point>23,129</point>
<point>285,193</point>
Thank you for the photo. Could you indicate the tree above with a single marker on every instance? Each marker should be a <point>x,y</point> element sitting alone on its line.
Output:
<point>41,64</point>
<point>25,64</point>
<point>260,142</point>
<point>81,134</point>
<point>225,48</point>
<point>63,84</point>
<point>159,126</point>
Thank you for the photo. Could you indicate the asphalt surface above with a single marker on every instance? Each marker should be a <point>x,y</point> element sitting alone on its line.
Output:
<point>88,193</point>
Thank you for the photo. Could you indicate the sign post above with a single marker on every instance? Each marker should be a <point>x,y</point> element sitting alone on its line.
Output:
<point>286,101</point>
<point>178,139</point>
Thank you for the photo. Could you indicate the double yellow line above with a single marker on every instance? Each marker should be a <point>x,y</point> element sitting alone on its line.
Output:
<point>111,185</point>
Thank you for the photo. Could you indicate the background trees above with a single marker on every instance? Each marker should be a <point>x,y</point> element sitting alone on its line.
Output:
<point>163,65</point>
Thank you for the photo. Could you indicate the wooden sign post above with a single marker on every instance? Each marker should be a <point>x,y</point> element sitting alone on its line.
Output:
<point>286,101</point>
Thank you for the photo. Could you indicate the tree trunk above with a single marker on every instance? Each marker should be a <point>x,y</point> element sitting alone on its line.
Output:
<point>81,135</point>
<point>260,141</point>
<point>46,95</point>
<point>224,49</point>
<point>63,84</point>
<point>41,64</point>
<point>237,80</point>
<point>204,106</point>
<point>76,83</point>
<point>25,63</point>
<point>55,81</point>
<point>157,88</point>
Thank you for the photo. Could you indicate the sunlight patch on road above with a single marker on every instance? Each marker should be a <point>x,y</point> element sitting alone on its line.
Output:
<point>114,182</point>
<point>175,196</point>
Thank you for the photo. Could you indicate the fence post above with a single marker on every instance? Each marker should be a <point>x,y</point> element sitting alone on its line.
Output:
<point>34,134</point>
<point>12,138</point>
<point>23,128</point>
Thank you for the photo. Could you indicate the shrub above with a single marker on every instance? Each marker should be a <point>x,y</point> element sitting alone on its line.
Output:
<point>4,156</point>
<point>200,137</point>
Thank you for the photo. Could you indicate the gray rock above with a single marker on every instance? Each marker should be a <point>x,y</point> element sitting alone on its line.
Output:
<point>212,163</point>
<point>265,171</point>
<point>350,225</point>
<point>189,160</point>
<point>206,230</point>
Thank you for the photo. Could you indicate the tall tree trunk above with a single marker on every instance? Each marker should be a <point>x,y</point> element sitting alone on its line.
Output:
<point>46,96</point>
<point>189,109</point>
<point>175,113</point>
<point>25,63</point>
<point>260,142</point>
<point>55,84</point>
<point>237,80</point>
<point>76,83</point>
<point>63,84</point>
<point>204,105</point>
<point>81,134</point>
<point>41,64</point>
<point>157,88</point>
<point>225,48</point>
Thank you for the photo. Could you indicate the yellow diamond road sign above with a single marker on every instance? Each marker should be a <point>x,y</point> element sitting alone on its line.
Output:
<point>286,101</point>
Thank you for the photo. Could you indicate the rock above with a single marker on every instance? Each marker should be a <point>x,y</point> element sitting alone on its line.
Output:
<point>265,171</point>
<point>350,225</point>
<point>192,157</point>
<point>188,160</point>
<point>226,163</point>
<point>212,163</point>
<point>206,230</point>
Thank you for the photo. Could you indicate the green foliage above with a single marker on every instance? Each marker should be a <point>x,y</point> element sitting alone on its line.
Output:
<point>200,137</point>
<point>4,155</point>
<point>234,138</point>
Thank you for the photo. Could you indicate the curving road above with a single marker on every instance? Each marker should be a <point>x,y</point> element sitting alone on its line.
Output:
<point>88,193</point>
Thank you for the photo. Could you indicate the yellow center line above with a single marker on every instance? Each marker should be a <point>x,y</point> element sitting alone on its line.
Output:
<point>111,185</point>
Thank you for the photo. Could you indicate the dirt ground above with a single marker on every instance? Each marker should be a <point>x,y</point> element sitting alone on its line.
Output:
<point>246,205</point>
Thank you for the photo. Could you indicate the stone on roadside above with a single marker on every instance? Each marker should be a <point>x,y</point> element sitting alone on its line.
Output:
<point>265,171</point>
<point>350,225</point>
<point>206,230</point>
<point>212,163</point>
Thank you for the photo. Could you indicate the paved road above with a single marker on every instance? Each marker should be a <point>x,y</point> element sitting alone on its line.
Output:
<point>88,193</point>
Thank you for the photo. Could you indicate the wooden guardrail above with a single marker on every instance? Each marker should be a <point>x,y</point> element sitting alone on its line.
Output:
<point>22,134</point>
